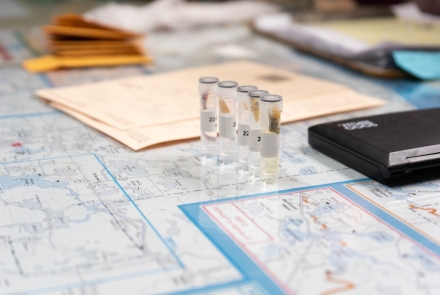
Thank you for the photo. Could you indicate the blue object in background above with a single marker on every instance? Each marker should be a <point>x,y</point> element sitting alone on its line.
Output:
<point>419,94</point>
<point>424,65</point>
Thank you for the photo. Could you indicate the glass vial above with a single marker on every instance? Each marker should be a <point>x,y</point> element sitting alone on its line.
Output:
<point>243,124</point>
<point>226,93</point>
<point>271,106</point>
<point>255,131</point>
<point>208,115</point>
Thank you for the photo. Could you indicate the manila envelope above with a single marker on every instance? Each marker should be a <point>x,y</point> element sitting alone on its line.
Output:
<point>100,51</point>
<point>51,62</point>
<point>171,98</point>
<point>78,21</point>
<point>87,33</point>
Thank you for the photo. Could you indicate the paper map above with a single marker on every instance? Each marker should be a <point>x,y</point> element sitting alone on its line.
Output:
<point>82,214</point>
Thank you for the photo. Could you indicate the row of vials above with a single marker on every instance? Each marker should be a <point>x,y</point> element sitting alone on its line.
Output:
<point>259,119</point>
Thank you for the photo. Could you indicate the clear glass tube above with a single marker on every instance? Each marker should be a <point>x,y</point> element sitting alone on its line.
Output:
<point>255,162</point>
<point>243,124</point>
<point>226,93</point>
<point>254,142</point>
<point>271,106</point>
<point>208,115</point>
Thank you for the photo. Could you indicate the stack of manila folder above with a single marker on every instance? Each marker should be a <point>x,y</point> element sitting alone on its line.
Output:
<point>144,111</point>
<point>77,42</point>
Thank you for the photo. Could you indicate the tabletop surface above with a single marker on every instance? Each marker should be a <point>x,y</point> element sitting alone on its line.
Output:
<point>82,214</point>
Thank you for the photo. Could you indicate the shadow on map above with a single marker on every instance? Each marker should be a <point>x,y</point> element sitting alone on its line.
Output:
<point>417,176</point>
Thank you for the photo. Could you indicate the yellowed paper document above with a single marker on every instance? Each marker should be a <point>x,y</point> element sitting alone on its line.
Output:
<point>140,137</point>
<point>374,31</point>
<point>124,107</point>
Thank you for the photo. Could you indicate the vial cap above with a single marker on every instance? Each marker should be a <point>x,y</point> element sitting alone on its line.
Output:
<point>246,88</point>
<point>257,93</point>
<point>271,98</point>
<point>227,84</point>
<point>208,80</point>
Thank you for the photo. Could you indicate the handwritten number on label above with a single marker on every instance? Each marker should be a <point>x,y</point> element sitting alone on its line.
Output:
<point>259,138</point>
<point>245,133</point>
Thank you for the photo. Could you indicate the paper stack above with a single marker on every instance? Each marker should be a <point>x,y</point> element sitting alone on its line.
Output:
<point>365,45</point>
<point>77,42</point>
<point>143,111</point>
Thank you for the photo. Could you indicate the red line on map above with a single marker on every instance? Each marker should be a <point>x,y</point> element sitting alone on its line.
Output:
<point>384,222</point>
<point>256,224</point>
<point>249,253</point>
<point>347,286</point>
<point>4,53</point>
<point>226,230</point>
<point>432,211</point>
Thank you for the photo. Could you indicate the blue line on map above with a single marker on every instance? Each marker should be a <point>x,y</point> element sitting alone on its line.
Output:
<point>251,270</point>
<point>54,112</point>
<point>43,159</point>
<point>140,212</point>
<point>246,265</point>
<point>91,283</point>
<point>389,219</point>
<point>46,80</point>
<point>117,183</point>
<point>225,287</point>
<point>227,200</point>
<point>103,280</point>
<point>115,278</point>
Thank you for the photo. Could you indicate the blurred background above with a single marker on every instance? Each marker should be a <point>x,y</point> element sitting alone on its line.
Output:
<point>388,42</point>
<point>362,35</point>
<point>15,13</point>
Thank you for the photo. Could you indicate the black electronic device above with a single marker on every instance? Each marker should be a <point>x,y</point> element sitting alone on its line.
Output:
<point>382,146</point>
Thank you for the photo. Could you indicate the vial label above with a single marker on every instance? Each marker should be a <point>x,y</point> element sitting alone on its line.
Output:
<point>227,125</point>
<point>270,145</point>
<point>208,120</point>
<point>243,134</point>
<point>254,140</point>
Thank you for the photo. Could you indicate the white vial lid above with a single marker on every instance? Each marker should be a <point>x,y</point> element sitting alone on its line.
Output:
<point>227,88</point>
<point>271,101</point>
<point>242,92</point>
<point>257,93</point>
<point>208,84</point>
<point>208,80</point>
